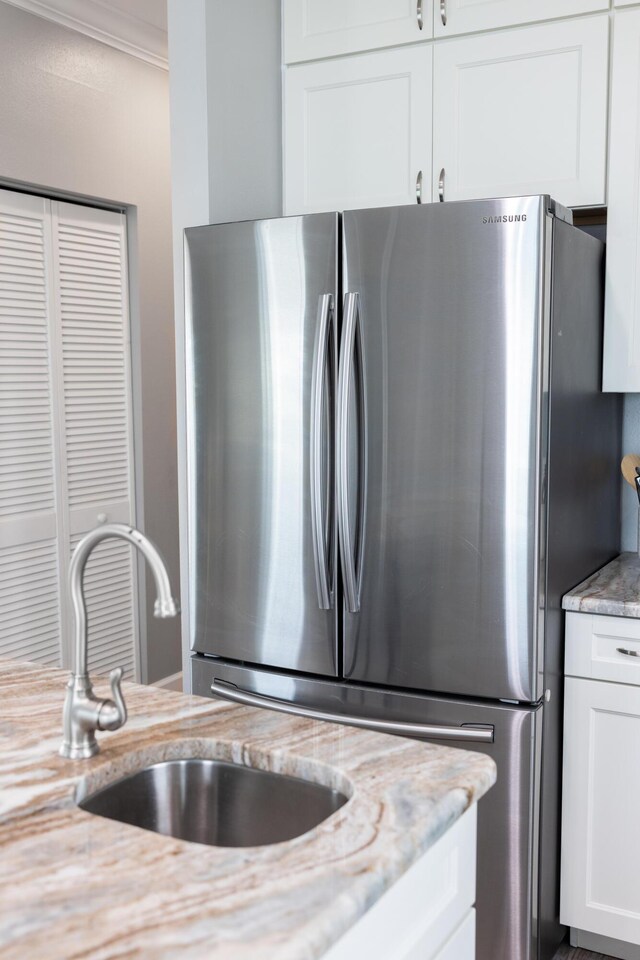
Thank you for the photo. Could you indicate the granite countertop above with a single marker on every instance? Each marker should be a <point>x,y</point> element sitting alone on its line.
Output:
<point>73,885</point>
<point>614,590</point>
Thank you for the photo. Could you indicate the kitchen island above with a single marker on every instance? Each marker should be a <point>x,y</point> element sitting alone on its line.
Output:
<point>75,885</point>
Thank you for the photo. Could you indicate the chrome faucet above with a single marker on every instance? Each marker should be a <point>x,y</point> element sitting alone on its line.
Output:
<point>83,712</point>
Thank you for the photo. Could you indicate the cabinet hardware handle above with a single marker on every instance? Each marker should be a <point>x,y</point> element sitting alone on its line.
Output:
<point>441,186</point>
<point>419,187</point>
<point>628,653</point>
<point>419,15</point>
<point>443,12</point>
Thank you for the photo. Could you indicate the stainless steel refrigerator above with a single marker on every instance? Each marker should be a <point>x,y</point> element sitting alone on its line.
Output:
<point>399,459</point>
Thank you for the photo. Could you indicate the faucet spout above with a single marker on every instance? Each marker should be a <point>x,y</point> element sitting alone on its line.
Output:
<point>83,712</point>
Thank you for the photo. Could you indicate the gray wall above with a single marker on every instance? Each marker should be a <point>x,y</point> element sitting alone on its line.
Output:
<point>81,118</point>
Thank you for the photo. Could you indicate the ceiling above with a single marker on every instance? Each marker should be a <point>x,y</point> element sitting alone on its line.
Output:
<point>138,27</point>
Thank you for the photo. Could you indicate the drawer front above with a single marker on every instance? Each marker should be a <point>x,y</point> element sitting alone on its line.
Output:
<point>462,944</point>
<point>419,917</point>
<point>603,648</point>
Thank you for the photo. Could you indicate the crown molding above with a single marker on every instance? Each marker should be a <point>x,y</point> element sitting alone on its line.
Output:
<point>107,24</point>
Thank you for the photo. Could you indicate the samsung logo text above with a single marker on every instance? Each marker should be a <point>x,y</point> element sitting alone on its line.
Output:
<point>506,218</point>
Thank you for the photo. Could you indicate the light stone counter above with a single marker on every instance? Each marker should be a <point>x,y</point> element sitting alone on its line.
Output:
<point>73,885</point>
<point>613,591</point>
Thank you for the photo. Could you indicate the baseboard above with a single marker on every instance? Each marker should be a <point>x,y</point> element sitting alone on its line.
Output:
<point>174,682</point>
<point>598,944</point>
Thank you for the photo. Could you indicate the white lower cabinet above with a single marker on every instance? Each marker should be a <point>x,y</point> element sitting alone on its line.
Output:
<point>428,913</point>
<point>523,112</point>
<point>600,887</point>
<point>358,131</point>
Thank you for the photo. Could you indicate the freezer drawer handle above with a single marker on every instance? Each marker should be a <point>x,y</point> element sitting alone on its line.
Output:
<point>480,733</point>
<point>628,653</point>
<point>324,330</point>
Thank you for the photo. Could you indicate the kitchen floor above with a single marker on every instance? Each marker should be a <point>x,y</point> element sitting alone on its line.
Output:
<point>575,953</point>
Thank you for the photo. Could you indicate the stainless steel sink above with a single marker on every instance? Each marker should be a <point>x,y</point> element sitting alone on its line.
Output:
<point>217,803</point>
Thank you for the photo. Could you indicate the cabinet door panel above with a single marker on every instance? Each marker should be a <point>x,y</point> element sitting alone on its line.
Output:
<point>328,28</point>
<point>30,584</point>
<point>92,336</point>
<point>600,892</point>
<point>621,368</point>
<point>524,112</point>
<point>358,131</point>
<point>466,16</point>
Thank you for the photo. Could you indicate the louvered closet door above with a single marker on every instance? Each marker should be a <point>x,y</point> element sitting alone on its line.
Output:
<point>94,367</point>
<point>30,619</point>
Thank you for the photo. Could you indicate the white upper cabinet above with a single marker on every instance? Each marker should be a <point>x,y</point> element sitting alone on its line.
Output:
<point>624,3</point>
<point>621,368</point>
<point>328,28</point>
<point>358,131</point>
<point>523,112</point>
<point>467,16</point>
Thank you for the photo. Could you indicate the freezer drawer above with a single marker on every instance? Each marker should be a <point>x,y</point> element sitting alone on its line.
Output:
<point>508,817</point>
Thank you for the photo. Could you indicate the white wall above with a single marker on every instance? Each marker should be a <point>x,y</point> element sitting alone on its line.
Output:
<point>80,118</point>
<point>244,109</point>
<point>226,136</point>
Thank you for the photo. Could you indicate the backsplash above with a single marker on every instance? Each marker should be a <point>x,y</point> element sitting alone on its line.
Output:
<point>630,444</point>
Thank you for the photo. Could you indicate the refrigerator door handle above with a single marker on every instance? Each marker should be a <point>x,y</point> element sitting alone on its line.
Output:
<point>324,329</point>
<point>476,733</point>
<point>347,548</point>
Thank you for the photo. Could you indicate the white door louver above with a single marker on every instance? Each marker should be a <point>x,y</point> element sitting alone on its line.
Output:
<point>65,428</point>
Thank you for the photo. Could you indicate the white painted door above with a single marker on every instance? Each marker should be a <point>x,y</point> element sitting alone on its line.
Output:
<point>523,112</point>
<point>600,891</point>
<point>358,131</point>
<point>65,407</point>
<point>327,28</point>
<point>467,16</point>
<point>92,335</point>
<point>621,367</point>
<point>30,615</point>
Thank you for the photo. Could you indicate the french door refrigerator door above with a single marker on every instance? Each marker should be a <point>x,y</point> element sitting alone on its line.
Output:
<point>440,445</point>
<point>261,366</point>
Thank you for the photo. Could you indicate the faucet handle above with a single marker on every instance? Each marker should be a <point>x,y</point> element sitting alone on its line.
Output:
<point>113,713</point>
